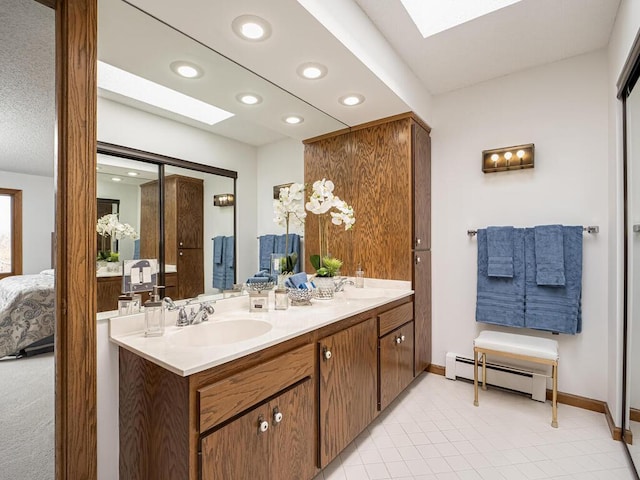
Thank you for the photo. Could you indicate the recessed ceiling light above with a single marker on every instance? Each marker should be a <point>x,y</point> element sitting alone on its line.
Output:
<point>133,174</point>
<point>311,70</point>
<point>129,85</point>
<point>116,179</point>
<point>293,119</point>
<point>249,98</point>
<point>186,69</point>
<point>352,99</point>
<point>251,27</point>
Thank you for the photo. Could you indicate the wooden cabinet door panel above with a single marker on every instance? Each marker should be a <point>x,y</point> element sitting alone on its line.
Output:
<point>293,439</point>
<point>422,310</point>
<point>190,272</point>
<point>396,363</point>
<point>190,213</point>
<point>348,386</point>
<point>238,451</point>
<point>421,187</point>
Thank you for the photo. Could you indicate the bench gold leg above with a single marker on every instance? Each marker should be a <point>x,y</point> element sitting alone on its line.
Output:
<point>484,371</point>
<point>554,404</point>
<point>475,377</point>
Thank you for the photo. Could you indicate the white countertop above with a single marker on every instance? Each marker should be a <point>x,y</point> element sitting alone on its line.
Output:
<point>168,352</point>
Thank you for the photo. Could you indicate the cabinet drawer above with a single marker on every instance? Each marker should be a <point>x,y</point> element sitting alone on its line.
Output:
<point>227,398</point>
<point>395,317</point>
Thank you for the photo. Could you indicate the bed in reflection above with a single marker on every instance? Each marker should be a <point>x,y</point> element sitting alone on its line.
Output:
<point>27,313</point>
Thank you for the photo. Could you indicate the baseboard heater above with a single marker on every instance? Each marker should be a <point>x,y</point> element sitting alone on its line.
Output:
<point>525,380</point>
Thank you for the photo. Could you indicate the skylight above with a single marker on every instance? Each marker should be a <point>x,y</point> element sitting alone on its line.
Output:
<point>435,16</point>
<point>124,83</point>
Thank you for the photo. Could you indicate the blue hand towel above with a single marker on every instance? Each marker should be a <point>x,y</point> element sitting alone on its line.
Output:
<point>228,258</point>
<point>295,281</point>
<point>500,300</point>
<point>555,308</point>
<point>500,251</point>
<point>217,249</point>
<point>266,249</point>
<point>549,255</point>
<point>219,270</point>
<point>262,273</point>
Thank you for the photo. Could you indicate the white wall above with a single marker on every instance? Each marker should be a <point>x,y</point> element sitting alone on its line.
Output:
<point>624,32</point>
<point>38,221</point>
<point>130,127</point>
<point>562,109</point>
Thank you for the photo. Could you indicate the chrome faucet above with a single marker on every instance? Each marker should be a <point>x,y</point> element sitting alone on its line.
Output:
<point>202,315</point>
<point>342,282</point>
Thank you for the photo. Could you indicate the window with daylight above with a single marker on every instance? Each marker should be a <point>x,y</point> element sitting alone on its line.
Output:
<point>10,232</point>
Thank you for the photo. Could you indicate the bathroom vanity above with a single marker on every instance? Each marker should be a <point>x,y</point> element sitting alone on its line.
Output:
<point>277,394</point>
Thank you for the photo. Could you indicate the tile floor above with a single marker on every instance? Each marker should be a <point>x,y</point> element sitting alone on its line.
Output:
<point>433,432</point>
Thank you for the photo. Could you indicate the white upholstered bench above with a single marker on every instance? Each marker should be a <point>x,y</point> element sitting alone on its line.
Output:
<point>523,347</point>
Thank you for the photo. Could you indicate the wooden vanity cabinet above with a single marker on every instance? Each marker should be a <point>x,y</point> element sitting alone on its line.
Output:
<point>347,386</point>
<point>273,440</point>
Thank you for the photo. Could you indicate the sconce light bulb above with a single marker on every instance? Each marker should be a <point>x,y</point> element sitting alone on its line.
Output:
<point>508,155</point>
<point>520,154</point>
<point>495,157</point>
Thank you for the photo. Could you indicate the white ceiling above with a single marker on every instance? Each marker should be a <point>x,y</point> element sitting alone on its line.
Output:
<point>523,35</point>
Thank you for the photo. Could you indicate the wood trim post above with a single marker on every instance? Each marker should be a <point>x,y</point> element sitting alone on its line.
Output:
<point>75,164</point>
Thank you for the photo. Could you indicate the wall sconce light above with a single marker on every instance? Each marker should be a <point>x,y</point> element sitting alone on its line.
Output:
<point>508,158</point>
<point>224,200</point>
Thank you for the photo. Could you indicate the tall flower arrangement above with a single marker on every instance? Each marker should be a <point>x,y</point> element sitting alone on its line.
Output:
<point>326,205</point>
<point>289,210</point>
<point>109,227</point>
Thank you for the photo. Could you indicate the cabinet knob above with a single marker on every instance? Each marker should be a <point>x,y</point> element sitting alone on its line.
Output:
<point>418,241</point>
<point>277,415</point>
<point>326,353</point>
<point>398,340</point>
<point>263,425</point>
<point>402,338</point>
<point>418,259</point>
<point>181,253</point>
<point>180,243</point>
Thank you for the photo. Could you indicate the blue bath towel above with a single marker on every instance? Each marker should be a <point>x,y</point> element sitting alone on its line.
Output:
<point>219,270</point>
<point>266,249</point>
<point>218,243</point>
<point>500,251</point>
<point>549,255</point>
<point>229,255</point>
<point>500,300</point>
<point>555,308</point>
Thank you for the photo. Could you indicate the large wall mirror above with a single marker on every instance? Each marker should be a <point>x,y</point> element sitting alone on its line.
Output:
<point>173,211</point>
<point>630,95</point>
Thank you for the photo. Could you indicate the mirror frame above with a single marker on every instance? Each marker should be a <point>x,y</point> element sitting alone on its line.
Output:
<point>104,148</point>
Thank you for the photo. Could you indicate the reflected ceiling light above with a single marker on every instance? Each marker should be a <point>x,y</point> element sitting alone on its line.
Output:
<point>129,85</point>
<point>312,70</point>
<point>133,174</point>
<point>293,119</point>
<point>186,69</point>
<point>352,99</point>
<point>251,27</point>
<point>249,98</point>
<point>116,179</point>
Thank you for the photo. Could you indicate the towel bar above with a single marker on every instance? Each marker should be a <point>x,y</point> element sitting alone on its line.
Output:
<point>589,229</point>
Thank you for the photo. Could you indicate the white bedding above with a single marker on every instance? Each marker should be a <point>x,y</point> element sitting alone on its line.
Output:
<point>27,312</point>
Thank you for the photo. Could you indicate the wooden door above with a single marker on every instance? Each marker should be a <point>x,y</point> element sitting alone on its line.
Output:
<point>421,187</point>
<point>293,439</point>
<point>190,272</point>
<point>396,363</point>
<point>189,213</point>
<point>348,386</point>
<point>422,310</point>
<point>239,450</point>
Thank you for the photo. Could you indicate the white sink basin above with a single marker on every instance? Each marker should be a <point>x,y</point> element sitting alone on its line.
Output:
<point>210,334</point>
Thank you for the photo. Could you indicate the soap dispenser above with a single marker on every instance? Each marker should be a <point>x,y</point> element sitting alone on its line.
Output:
<point>154,315</point>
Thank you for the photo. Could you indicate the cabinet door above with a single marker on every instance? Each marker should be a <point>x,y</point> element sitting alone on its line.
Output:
<point>149,220</point>
<point>421,187</point>
<point>348,386</point>
<point>396,363</point>
<point>239,450</point>
<point>292,436</point>
<point>190,272</point>
<point>190,216</point>
<point>422,310</point>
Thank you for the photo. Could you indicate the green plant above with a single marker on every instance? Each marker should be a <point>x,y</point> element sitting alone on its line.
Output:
<point>330,266</point>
